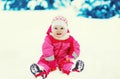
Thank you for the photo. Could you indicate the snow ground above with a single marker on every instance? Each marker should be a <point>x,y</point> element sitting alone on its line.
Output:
<point>22,34</point>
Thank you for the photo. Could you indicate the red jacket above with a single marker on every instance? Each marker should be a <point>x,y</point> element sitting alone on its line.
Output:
<point>55,49</point>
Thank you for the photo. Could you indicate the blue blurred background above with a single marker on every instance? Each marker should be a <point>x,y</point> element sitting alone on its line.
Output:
<point>100,9</point>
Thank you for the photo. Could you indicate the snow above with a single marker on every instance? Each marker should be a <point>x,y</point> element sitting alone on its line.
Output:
<point>22,34</point>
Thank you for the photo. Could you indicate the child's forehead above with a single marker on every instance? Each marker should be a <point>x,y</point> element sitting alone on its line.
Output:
<point>58,26</point>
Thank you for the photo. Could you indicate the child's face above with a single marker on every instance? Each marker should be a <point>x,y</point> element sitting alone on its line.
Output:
<point>59,31</point>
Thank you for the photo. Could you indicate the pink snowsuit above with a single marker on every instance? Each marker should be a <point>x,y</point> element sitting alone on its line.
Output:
<point>55,54</point>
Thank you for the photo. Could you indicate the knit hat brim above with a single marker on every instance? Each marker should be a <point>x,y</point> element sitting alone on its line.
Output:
<point>60,23</point>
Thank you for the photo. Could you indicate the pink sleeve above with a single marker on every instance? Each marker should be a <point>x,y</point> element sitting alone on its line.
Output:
<point>76,47</point>
<point>47,48</point>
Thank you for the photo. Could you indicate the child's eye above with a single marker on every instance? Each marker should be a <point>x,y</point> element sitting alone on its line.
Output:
<point>55,28</point>
<point>61,28</point>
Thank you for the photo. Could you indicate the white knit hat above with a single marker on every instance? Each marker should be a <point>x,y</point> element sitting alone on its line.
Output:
<point>60,20</point>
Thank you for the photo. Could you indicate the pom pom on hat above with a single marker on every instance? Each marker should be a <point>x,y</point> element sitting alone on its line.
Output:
<point>60,20</point>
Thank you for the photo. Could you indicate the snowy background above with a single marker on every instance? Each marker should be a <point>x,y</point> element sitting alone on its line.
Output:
<point>86,8</point>
<point>22,34</point>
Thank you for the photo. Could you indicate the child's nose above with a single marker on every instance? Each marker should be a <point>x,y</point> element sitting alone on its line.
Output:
<point>59,29</point>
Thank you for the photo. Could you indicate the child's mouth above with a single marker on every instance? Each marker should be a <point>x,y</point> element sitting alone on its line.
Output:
<point>59,33</point>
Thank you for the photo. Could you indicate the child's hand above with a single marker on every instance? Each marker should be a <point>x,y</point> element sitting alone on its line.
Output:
<point>68,58</point>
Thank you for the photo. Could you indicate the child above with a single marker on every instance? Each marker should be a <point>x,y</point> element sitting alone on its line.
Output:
<point>58,50</point>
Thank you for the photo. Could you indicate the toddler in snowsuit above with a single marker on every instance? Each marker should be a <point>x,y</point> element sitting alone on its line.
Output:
<point>58,50</point>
